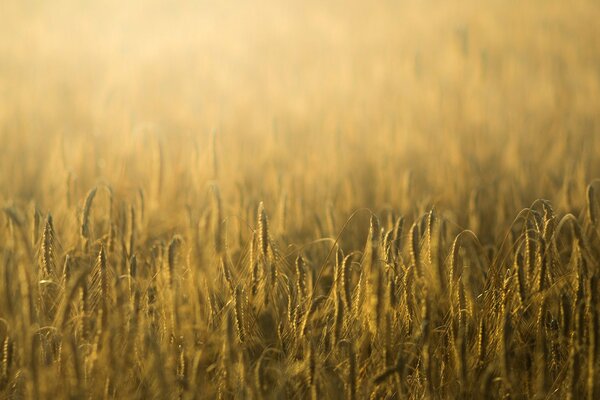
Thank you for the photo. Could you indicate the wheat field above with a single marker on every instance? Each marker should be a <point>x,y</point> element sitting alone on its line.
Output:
<point>300,199</point>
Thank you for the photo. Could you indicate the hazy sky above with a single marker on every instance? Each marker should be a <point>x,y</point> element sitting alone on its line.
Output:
<point>416,64</point>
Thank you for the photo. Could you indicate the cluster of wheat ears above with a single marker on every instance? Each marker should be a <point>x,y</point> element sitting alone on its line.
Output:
<point>351,228</point>
<point>418,312</point>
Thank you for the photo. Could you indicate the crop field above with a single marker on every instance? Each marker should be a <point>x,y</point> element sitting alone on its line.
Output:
<point>300,199</point>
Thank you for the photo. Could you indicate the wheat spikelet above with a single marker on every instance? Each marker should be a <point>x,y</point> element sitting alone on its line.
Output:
<point>7,353</point>
<point>173,258</point>
<point>182,370</point>
<point>359,293</point>
<point>132,273</point>
<point>346,281</point>
<point>240,301</point>
<point>263,233</point>
<point>414,237</point>
<point>379,299</point>
<point>521,279</point>
<point>48,250</point>
<point>100,286</point>
<point>85,215</point>
<point>301,286</point>
<point>35,232</point>
<point>226,272</point>
<point>132,230</point>
<point>254,266</point>
<point>482,342</point>
<point>217,216</point>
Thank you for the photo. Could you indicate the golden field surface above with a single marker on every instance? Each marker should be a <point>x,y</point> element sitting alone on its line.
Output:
<point>300,199</point>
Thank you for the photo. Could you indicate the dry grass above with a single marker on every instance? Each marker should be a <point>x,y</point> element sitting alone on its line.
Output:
<point>277,200</point>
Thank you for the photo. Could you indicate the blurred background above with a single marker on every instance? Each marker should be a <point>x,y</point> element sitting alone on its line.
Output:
<point>403,104</point>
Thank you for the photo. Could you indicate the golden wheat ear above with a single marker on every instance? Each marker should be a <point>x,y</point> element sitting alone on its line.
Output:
<point>48,249</point>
